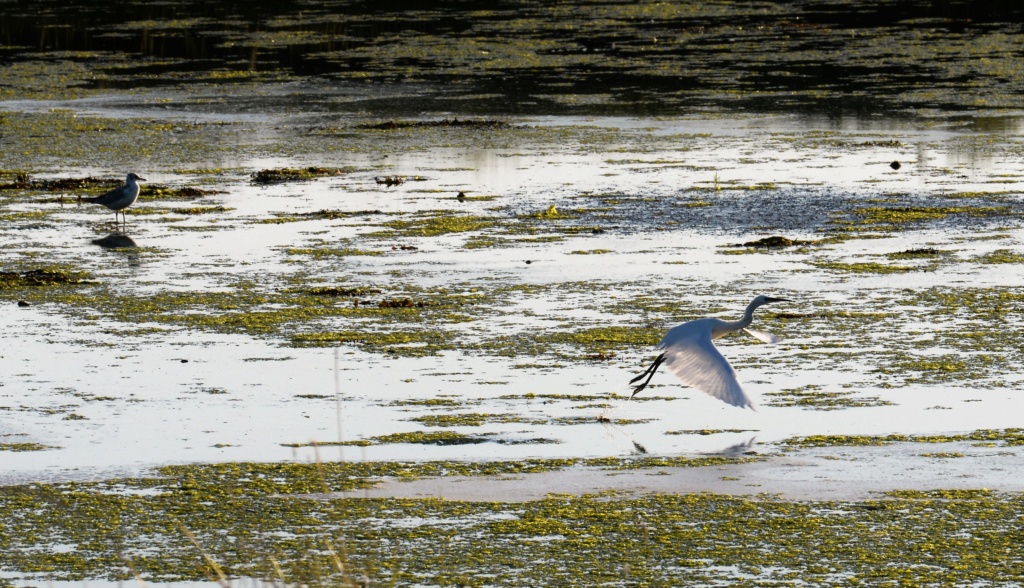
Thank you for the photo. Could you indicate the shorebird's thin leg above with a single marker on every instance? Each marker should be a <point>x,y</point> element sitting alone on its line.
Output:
<point>649,372</point>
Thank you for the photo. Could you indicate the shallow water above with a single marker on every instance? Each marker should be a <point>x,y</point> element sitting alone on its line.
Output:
<point>111,393</point>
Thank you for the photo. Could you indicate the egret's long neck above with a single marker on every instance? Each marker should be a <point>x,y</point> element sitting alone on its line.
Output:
<point>748,317</point>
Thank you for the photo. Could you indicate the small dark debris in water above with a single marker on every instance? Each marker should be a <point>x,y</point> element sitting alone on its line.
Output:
<point>461,197</point>
<point>338,291</point>
<point>601,356</point>
<point>389,181</point>
<point>401,303</point>
<point>184,361</point>
<point>529,261</point>
<point>404,248</point>
<point>23,303</point>
<point>603,419</point>
<point>444,123</point>
<point>920,251</point>
<point>286,174</point>
<point>639,448</point>
<point>596,231</point>
<point>895,165</point>
<point>774,242</point>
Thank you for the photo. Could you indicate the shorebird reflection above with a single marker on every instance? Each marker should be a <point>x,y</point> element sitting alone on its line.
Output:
<point>115,241</point>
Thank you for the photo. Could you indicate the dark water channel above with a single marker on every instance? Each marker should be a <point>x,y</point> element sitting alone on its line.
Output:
<point>609,58</point>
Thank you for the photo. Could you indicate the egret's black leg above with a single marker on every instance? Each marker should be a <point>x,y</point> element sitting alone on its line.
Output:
<point>649,372</point>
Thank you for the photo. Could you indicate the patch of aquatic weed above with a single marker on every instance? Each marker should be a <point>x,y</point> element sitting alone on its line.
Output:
<point>291,314</point>
<point>1012,437</point>
<point>815,397</point>
<point>276,521</point>
<point>323,214</point>
<point>890,218</point>
<point>433,224</point>
<point>472,123</point>
<point>50,138</point>
<point>16,281</point>
<point>913,336</point>
<point>281,175</point>
<point>25,446</point>
<point>774,242</point>
<point>470,419</point>
<point>444,438</point>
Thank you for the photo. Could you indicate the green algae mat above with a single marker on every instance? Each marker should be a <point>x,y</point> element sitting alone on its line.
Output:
<point>275,522</point>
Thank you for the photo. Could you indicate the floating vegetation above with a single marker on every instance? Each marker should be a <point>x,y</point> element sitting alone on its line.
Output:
<point>587,420</point>
<point>43,277</point>
<point>864,267</point>
<point>401,303</point>
<point>428,402</point>
<point>815,397</point>
<point>986,437</point>
<point>446,438</point>
<point>887,218</point>
<point>197,210</point>
<point>775,242</point>
<point>1000,256</point>
<point>22,181</point>
<point>708,431</point>
<point>26,446</point>
<point>156,192</point>
<point>919,253</point>
<point>289,174</point>
<point>389,181</point>
<point>257,519</point>
<point>443,123</point>
<point>436,224</point>
<point>467,419</point>
<point>336,291</point>
<point>889,143</point>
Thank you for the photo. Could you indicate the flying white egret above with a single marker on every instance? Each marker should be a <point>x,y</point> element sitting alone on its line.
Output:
<point>689,351</point>
<point>121,197</point>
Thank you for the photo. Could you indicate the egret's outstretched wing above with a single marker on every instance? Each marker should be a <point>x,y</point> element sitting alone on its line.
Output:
<point>695,360</point>
<point>762,336</point>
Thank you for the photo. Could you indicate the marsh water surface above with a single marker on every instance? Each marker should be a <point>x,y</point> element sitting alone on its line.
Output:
<point>422,243</point>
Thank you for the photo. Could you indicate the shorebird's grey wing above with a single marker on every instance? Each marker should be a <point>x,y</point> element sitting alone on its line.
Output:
<point>696,361</point>
<point>108,198</point>
<point>762,336</point>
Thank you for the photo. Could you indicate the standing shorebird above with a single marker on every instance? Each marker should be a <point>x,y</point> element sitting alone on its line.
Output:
<point>121,197</point>
<point>690,352</point>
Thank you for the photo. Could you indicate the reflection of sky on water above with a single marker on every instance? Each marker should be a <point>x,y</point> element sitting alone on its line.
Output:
<point>183,397</point>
